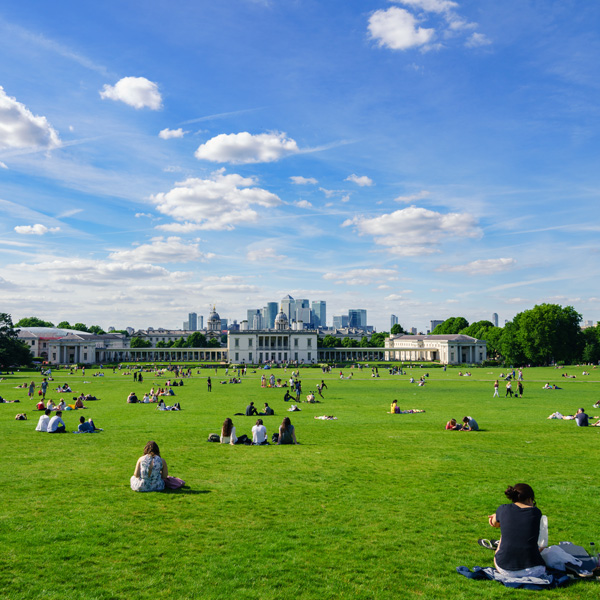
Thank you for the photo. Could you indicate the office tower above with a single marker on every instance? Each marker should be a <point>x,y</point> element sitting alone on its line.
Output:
<point>435,323</point>
<point>254,318</point>
<point>413,330</point>
<point>288,307</point>
<point>495,319</point>
<point>269,313</point>
<point>303,314</point>
<point>224,324</point>
<point>393,320</point>
<point>192,322</point>
<point>357,317</point>
<point>200,322</point>
<point>340,321</point>
<point>319,310</point>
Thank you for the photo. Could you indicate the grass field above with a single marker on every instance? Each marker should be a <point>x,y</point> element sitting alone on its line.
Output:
<point>372,505</point>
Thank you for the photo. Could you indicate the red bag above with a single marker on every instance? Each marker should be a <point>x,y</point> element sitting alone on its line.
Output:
<point>39,392</point>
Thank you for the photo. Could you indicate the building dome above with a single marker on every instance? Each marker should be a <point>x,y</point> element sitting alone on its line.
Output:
<point>214,320</point>
<point>281,321</point>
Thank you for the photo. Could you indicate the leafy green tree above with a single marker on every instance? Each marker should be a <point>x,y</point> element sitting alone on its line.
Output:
<point>550,332</point>
<point>96,329</point>
<point>161,344</point>
<point>12,350</point>
<point>180,343</point>
<point>591,344</point>
<point>477,329</point>
<point>330,341</point>
<point>378,339</point>
<point>213,343</point>
<point>492,336</point>
<point>451,326</point>
<point>510,346</point>
<point>138,342</point>
<point>196,340</point>
<point>33,322</point>
<point>397,329</point>
<point>348,342</point>
<point>64,325</point>
<point>364,342</point>
<point>80,327</point>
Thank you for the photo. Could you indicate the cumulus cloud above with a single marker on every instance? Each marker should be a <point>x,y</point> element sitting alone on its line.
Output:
<point>415,231</point>
<point>161,250</point>
<point>167,134</point>
<point>140,215</point>
<point>481,267</point>
<point>219,202</point>
<point>362,276</point>
<point>303,204</point>
<point>477,39</point>
<point>258,254</point>
<point>245,148</point>
<point>398,29</point>
<point>3,165</point>
<point>20,128</point>
<point>362,181</point>
<point>299,180</point>
<point>138,92</point>
<point>413,197</point>
<point>437,6</point>
<point>37,229</point>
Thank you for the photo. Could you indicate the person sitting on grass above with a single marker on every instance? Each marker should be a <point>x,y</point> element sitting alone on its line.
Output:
<point>51,405</point>
<point>287,433</point>
<point>228,433</point>
<point>259,434</point>
<point>132,398</point>
<point>267,411</point>
<point>287,396</point>
<point>56,424</point>
<point>62,405</point>
<point>581,418</point>
<point>518,554</point>
<point>470,424</point>
<point>150,470</point>
<point>251,410</point>
<point>85,427</point>
<point>453,425</point>
<point>394,408</point>
<point>79,403</point>
<point>43,422</point>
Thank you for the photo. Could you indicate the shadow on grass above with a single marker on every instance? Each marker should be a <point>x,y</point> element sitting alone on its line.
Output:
<point>185,491</point>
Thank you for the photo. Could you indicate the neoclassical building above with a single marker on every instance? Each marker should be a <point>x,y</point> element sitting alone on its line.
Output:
<point>446,349</point>
<point>281,344</point>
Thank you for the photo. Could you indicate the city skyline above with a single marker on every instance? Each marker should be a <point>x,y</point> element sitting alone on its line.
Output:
<point>418,158</point>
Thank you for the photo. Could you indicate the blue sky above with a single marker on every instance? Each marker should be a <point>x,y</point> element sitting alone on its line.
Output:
<point>426,158</point>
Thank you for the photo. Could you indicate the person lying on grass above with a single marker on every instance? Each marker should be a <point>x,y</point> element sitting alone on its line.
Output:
<point>518,554</point>
<point>453,425</point>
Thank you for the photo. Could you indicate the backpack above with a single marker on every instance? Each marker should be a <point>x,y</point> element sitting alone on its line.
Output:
<point>214,437</point>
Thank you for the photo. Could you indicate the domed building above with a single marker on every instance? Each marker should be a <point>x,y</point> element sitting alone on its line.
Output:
<point>281,321</point>
<point>214,321</point>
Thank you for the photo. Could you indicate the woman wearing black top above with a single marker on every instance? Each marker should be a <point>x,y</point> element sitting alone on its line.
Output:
<point>518,554</point>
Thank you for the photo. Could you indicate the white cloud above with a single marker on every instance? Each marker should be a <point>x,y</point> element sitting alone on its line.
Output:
<point>299,180</point>
<point>260,254</point>
<point>139,215</point>
<point>437,6</point>
<point>345,198</point>
<point>161,250</point>
<point>138,92</point>
<point>219,202</point>
<point>415,231</point>
<point>482,267</point>
<point>362,276</point>
<point>303,204</point>
<point>186,227</point>
<point>37,229</point>
<point>71,212</point>
<point>413,197</point>
<point>477,39</point>
<point>362,181</point>
<point>3,165</point>
<point>245,148</point>
<point>19,128</point>
<point>398,29</point>
<point>167,134</point>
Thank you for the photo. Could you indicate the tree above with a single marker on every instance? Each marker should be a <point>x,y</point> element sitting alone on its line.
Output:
<point>348,342</point>
<point>180,343</point>
<point>378,339</point>
<point>492,336</point>
<point>32,322</point>
<point>549,332</point>
<point>364,342</point>
<point>451,326</point>
<point>591,345</point>
<point>97,330</point>
<point>213,343</point>
<point>161,344</point>
<point>510,346</point>
<point>80,327</point>
<point>64,325</point>
<point>330,341</point>
<point>138,342</point>
<point>477,329</point>
<point>196,340</point>
<point>12,350</point>
<point>397,329</point>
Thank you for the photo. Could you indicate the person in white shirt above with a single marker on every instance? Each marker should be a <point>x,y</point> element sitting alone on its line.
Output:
<point>56,424</point>
<point>259,434</point>
<point>44,420</point>
<point>62,405</point>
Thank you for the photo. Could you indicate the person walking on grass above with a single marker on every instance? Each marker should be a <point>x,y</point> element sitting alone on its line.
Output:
<point>209,384</point>
<point>509,391</point>
<point>496,386</point>
<point>520,388</point>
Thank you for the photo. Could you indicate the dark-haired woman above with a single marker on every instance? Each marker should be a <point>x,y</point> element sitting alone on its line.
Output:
<point>518,554</point>
<point>287,434</point>
<point>228,433</point>
<point>150,471</point>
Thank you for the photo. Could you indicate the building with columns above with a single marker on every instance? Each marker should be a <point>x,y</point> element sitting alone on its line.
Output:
<point>447,349</point>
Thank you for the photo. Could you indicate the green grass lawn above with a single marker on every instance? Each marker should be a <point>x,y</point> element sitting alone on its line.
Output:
<point>372,505</point>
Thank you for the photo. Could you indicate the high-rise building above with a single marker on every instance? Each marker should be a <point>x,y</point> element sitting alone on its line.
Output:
<point>269,313</point>
<point>495,319</point>
<point>340,321</point>
<point>393,320</point>
<point>303,314</point>
<point>192,322</point>
<point>413,330</point>
<point>288,307</point>
<point>357,317</point>
<point>201,322</point>
<point>434,324</point>
<point>255,320</point>
<point>319,311</point>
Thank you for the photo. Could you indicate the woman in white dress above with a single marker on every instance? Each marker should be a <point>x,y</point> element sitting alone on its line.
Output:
<point>150,471</point>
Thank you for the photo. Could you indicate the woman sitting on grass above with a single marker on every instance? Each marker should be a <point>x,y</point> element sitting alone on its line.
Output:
<point>518,554</point>
<point>287,434</point>
<point>150,471</point>
<point>228,432</point>
<point>453,425</point>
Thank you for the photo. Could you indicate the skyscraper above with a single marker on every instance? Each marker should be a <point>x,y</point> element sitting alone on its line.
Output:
<point>434,323</point>
<point>269,313</point>
<point>357,317</point>
<point>254,318</point>
<point>192,322</point>
<point>495,319</point>
<point>288,307</point>
<point>201,322</point>
<point>393,320</point>
<point>340,321</point>
<point>319,309</point>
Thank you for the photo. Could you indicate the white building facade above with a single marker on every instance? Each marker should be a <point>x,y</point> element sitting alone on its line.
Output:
<point>446,349</point>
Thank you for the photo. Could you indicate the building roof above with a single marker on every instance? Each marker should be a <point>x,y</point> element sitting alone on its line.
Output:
<point>453,337</point>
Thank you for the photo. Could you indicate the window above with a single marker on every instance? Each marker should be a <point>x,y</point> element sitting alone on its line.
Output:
<point>309,354</point>
<point>250,356</point>
<point>85,356</point>
<point>237,356</point>
<point>295,342</point>
<point>249,342</point>
<point>309,344</point>
<point>237,344</point>
<point>44,345</point>
<point>33,343</point>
